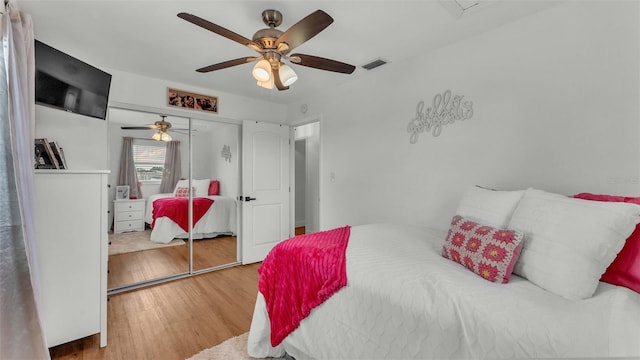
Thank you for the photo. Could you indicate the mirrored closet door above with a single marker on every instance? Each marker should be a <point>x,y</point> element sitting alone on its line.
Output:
<point>214,163</point>
<point>171,156</point>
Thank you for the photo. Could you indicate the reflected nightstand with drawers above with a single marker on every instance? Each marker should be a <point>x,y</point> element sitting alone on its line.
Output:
<point>128,215</point>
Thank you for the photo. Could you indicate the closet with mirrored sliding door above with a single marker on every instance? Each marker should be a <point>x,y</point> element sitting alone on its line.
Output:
<point>179,215</point>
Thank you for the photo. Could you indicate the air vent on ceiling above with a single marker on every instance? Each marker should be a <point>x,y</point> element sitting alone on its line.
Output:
<point>374,64</point>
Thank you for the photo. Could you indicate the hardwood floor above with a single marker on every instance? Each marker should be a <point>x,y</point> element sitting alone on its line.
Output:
<point>134,267</point>
<point>173,320</point>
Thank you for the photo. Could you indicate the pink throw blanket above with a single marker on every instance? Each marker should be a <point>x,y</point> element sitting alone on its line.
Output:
<point>177,209</point>
<point>301,273</point>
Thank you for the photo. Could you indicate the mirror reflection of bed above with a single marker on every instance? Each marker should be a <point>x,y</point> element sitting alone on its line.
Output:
<point>147,255</point>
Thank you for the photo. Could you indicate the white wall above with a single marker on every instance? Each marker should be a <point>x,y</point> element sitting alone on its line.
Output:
<point>202,156</point>
<point>83,138</point>
<point>555,107</point>
<point>228,173</point>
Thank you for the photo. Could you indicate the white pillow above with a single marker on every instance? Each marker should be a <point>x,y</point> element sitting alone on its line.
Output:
<point>490,207</point>
<point>568,242</point>
<point>201,187</point>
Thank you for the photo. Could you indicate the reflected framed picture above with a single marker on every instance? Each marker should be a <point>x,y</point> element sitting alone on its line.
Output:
<point>188,100</point>
<point>122,192</point>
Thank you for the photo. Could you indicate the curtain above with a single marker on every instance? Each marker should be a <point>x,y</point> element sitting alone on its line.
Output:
<point>172,166</point>
<point>128,175</point>
<point>21,335</point>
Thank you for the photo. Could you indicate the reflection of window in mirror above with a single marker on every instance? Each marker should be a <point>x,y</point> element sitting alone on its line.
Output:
<point>148,157</point>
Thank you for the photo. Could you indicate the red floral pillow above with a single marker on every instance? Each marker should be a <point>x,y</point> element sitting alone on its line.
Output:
<point>183,192</point>
<point>485,250</point>
<point>625,268</point>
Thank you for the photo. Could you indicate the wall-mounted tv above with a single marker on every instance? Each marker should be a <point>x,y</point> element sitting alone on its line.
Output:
<point>66,83</point>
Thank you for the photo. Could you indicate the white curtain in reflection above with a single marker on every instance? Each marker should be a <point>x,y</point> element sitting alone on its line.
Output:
<point>172,166</point>
<point>21,335</point>
<point>127,174</point>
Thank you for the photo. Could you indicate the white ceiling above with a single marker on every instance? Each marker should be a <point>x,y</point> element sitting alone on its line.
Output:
<point>147,38</point>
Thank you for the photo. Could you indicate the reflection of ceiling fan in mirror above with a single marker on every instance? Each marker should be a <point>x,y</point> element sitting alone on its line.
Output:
<point>274,46</point>
<point>162,127</point>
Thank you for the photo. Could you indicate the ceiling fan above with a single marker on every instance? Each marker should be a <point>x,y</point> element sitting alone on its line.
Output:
<point>274,47</point>
<point>162,126</point>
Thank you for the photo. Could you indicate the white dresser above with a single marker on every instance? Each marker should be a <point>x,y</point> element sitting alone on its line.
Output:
<point>71,248</point>
<point>128,215</point>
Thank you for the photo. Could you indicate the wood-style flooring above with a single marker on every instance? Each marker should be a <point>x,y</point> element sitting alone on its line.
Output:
<point>134,267</point>
<point>173,320</point>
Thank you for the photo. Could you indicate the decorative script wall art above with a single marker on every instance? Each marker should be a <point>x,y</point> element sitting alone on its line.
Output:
<point>445,110</point>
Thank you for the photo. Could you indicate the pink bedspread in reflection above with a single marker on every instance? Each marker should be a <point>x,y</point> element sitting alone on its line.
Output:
<point>177,209</point>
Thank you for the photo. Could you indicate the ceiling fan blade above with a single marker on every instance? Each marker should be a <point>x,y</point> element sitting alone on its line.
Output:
<point>305,29</point>
<point>277,82</point>
<point>219,30</point>
<point>146,127</point>
<point>226,64</point>
<point>323,64</point>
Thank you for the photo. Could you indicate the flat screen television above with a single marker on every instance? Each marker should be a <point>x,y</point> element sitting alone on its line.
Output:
<point>66,83</point>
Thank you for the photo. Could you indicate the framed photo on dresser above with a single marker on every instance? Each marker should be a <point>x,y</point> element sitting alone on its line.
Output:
<point>58,154</point>
<point>122,192</point>
<point>44,158</point>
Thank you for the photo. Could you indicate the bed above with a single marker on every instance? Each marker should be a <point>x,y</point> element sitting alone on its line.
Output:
<point>405,300</point>
<point>219,219</point>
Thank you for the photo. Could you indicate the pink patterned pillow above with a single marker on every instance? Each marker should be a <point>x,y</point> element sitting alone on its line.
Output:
<point>183,192</point>
<point>485,250</point>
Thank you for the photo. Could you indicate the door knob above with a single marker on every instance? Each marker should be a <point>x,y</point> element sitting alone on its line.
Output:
<point>247,198</point>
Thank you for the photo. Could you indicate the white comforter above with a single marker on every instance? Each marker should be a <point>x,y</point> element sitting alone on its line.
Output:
<point>405,301</point>
<point>221,218</point>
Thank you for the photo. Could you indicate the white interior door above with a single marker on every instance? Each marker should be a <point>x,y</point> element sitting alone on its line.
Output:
<point>265,188</point>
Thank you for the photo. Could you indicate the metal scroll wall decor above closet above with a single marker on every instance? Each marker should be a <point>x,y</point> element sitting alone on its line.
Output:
<point>445,110</point>
<point>226,153</point>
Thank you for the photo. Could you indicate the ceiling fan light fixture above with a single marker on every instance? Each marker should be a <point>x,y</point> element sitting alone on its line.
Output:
<point>266,84</point>
<point>274,45</point>
<point>287,75</point>
<point>165,137</point>
<point>157,136</point>
<point>262,71</point>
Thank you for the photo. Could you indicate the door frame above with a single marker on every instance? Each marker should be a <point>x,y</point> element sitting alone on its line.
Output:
<point>305,121</point>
